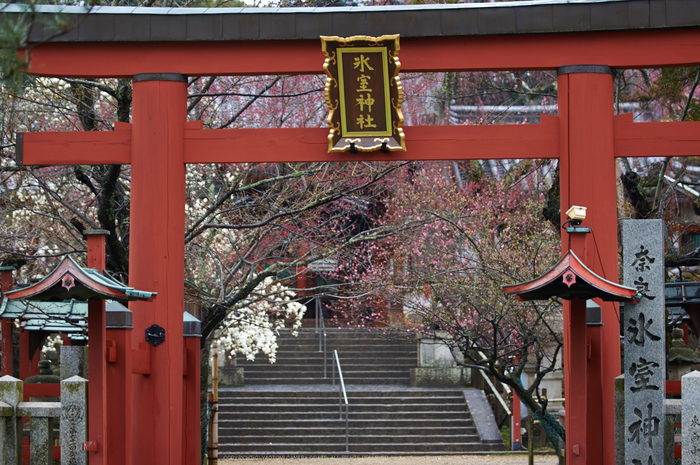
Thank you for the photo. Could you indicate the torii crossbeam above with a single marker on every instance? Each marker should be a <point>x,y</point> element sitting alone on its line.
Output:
<point>582,41</point>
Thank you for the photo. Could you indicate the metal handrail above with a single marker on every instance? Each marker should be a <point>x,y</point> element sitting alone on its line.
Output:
<point>322,336</point>
<point>493,388</point>
<point>342,396</point>
<point>495,392</point>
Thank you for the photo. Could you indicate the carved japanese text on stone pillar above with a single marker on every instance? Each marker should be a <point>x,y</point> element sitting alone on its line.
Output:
<point>644,342</point>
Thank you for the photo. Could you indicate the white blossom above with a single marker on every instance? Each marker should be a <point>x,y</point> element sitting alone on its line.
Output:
<point>252,326</point>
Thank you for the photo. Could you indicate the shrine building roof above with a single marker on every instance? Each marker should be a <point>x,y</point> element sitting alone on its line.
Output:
<point>72,281</point>
<point>148,24</point>
<point>571,279</point>
<point>68,316</point>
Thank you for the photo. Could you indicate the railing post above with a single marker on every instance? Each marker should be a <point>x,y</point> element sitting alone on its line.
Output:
<point>41,415</point>
<point>333,374</point>
<point>119,371</point>
<point>11,390</point>
<point>73,421</point>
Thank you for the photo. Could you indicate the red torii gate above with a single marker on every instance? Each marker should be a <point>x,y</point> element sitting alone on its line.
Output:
<point>586,137</point>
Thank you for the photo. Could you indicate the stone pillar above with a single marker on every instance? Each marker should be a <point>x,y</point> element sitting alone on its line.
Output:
<point>644,326</point>
<point>41,415</point>
<point>620,420</point>
<point>437,366</point>
<point>74,417</point>
<point>72,361</point>
<point>11,434</point>
<point>119,374</point>
<point>690,417</point>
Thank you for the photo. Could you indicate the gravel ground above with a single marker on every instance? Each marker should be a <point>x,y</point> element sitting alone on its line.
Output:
<point>496,459</point>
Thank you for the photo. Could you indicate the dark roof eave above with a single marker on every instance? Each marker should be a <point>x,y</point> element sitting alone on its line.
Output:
<point>139,24</point>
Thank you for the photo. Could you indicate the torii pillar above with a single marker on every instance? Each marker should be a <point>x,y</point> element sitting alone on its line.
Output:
<point>157,260</point>
<point>587,173</point>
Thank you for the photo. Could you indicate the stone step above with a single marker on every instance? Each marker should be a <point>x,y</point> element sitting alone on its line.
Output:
<point>286,381</point>
<point>400,381</point>
<point>345,352</point>
<point>235,432</point>
<point>225,402</point>
<point>385,417</point>
<point>347,374</point>
<point>355,408</point>
<point>354,438</point>
<point>355,365</point>
<point>426,424</point>
<point>330,415</point>
<point>315,358</point>
<point>333,449</point>
<point>369,391</point>
<point>333,399</point>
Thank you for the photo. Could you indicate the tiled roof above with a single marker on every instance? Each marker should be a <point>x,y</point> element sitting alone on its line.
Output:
<point>140,24</point>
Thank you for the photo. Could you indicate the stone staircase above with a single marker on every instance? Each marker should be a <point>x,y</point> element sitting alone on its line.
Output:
<point>366,357</point>
<point>289,409</point>
<point>391,422</point>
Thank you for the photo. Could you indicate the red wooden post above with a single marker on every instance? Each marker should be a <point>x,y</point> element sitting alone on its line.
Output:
<point>576,371</point>
<point>97,385</point>
<point>191,431</point>
<point>119,384</point>
<point>587,173</point>
<point>28,363</point>
<point>594,388</point>
<point>24,361</point>
<point>515,429</point>
<point>157,262</point>
<point>6,324</point>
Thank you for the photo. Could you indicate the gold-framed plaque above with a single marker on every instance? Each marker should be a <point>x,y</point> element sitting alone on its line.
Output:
<point>363,93</point>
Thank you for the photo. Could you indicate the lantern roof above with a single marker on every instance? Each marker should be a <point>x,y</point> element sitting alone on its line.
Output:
<point>72,281</point>
<point>571,279</point>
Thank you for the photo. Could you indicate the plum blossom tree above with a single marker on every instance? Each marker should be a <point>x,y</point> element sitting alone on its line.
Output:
<point>444,265</point>
<point>250,228</point>
<point>245,223</point>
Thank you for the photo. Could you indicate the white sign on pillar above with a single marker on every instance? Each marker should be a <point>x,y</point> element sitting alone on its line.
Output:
<point>644,342</point>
